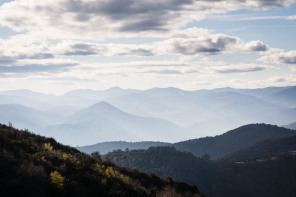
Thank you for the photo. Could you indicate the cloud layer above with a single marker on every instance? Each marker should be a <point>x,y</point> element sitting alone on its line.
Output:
<point>100,19</point>
<point>85,40</point>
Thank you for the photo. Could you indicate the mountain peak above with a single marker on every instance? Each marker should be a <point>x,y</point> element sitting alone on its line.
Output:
<point>115,88</point>
<point>103,106</point>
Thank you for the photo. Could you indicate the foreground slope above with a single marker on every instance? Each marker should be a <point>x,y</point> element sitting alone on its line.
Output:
<point>32,165</point>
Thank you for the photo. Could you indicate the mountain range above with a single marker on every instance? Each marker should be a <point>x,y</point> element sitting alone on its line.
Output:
<point>157,114</point>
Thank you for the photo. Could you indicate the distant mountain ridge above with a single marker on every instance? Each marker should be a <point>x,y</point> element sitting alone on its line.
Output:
<point>183,114</point>
<point>291,126</point>
<point>104,122</point>
<point>285,97</point>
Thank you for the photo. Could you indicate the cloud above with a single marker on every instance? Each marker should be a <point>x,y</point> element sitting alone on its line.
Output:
<point>255,46</point>
<point>66,19</point>
<point>35,68</point>
<point>186,42</point>
<point>291,17</point>
<point>130,69</point>
<point>241,68</point>
<point>279,3</point>
<point>206,45</point>
<point>211,44</point>
<point>80,48</point>
<point>279,57</point>
<point>95,19</point>
<point>5,60</point>
<point>272,81</point>
<point>292,68</point>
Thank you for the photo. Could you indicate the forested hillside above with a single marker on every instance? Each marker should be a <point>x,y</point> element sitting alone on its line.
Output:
<point>215,147</point>
<point>266,149</point>
<point>233,140</point>
<point>105,147</point>
<point>271,176</point>
<point>32,165</point>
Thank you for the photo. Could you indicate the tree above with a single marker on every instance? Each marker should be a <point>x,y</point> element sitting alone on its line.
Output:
<point>96,155</point>
<point>57,180</point>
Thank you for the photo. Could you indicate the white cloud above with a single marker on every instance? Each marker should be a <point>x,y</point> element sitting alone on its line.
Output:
<point>293,17</point>
<point>280,57</point>
<point>254,46</point>
<point>273,81</point>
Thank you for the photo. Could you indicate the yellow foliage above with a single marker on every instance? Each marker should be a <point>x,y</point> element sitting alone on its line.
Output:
<point>65,156</point>
<point>47,146</point>
<point>57,179</point>
<point>111,173</point>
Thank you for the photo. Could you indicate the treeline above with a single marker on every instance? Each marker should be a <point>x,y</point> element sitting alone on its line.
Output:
<point>32,165</point>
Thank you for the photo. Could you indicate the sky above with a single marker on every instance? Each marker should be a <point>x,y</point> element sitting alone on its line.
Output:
<point>55,46</point>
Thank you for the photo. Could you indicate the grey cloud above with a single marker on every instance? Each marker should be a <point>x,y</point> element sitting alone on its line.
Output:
<point>107,49</point>
<point>82,17</point>
<point>138,52</point>
<point>239,69</point>
<point>83,46</point>
<point>9,60</point>
<point>170,72</point>
<point>126,16</point>
<point>72,53</point>
<point>135,15</point>
<point>278,3</point>
<point>259,47</point>
<point>33,68</point>
<point>37,56</point>
<point>4,60</point>
<point>266,3</point>
<point>116,9</point>
<point>208,46</point>
<point>287,60</point>
<point>84,49</point>
<point>255,46</point>
<point>155,24</point>
<point>280,80</point>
